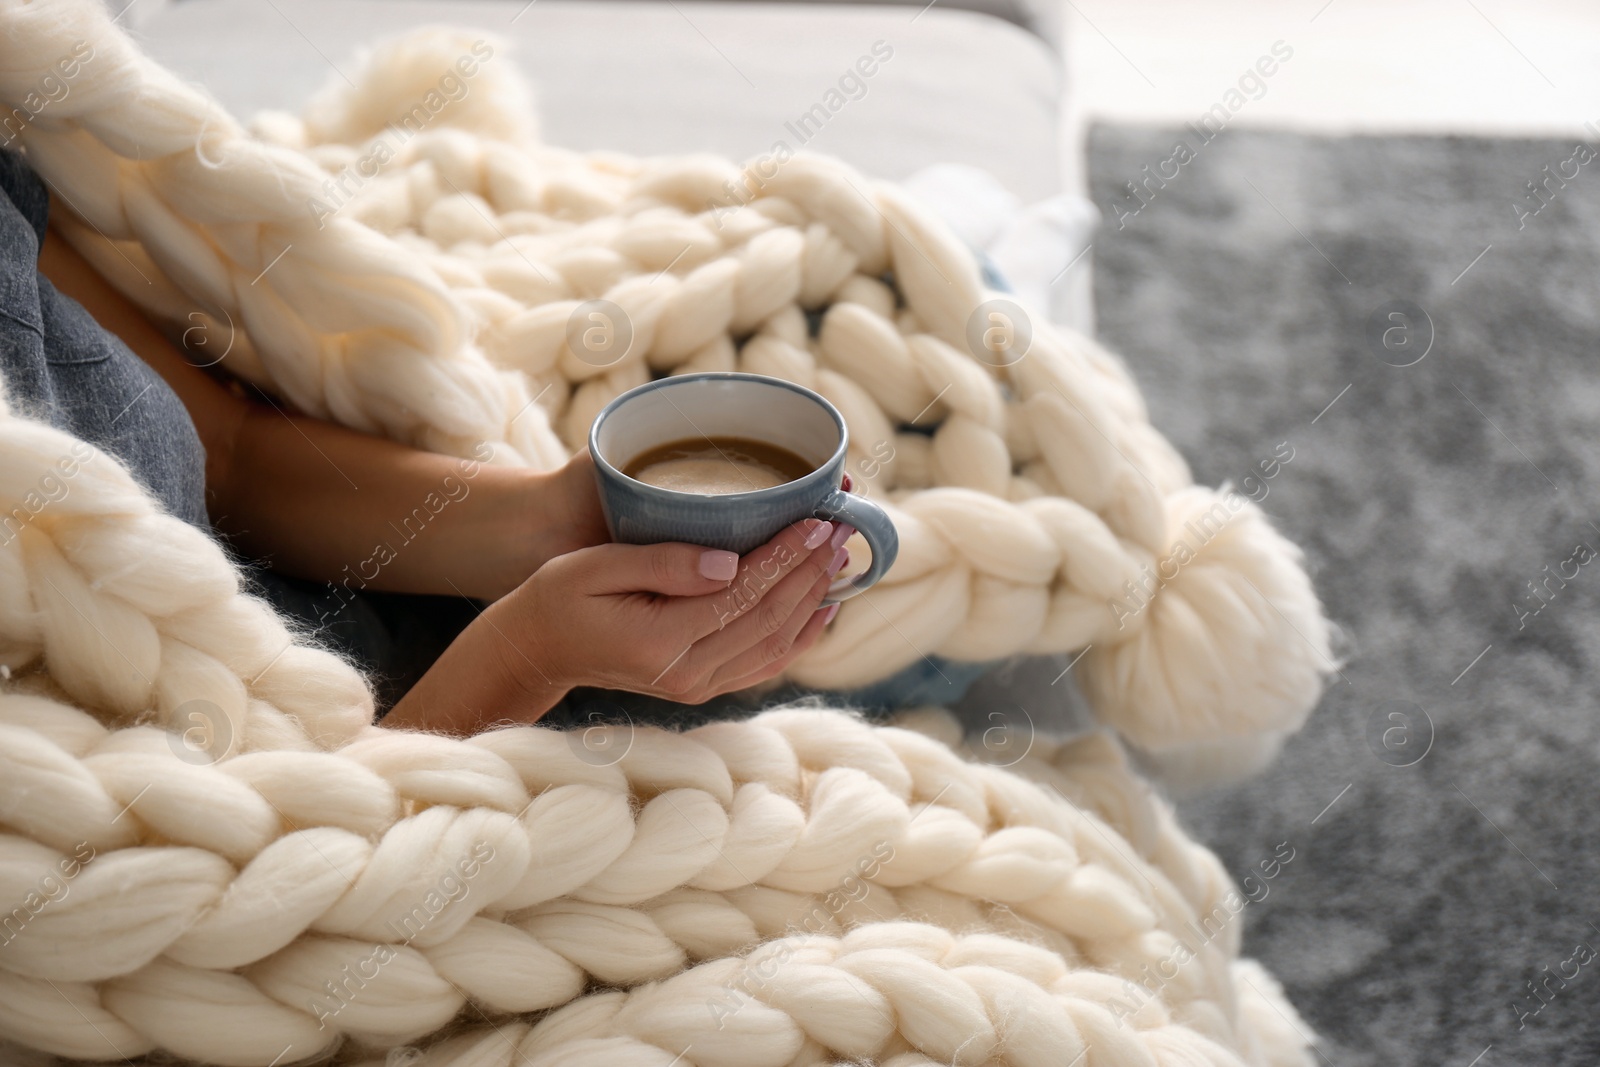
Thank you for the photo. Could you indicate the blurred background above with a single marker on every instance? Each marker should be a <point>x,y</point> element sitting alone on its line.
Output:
<point>1363,235</point>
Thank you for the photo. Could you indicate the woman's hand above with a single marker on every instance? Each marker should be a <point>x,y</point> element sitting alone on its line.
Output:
<point>563,514</point>
<point>670,620</point>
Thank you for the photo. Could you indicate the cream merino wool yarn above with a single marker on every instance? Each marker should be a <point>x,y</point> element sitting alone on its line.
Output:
<point>408,259</point>
<point>799,889</point>
<point>271,879</point>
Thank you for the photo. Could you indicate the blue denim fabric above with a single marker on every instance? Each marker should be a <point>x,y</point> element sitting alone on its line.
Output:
<point>930,680</point>
<point>60,367</point>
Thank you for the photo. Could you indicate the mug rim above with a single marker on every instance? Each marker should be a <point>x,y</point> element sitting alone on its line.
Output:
<point>635,484</point>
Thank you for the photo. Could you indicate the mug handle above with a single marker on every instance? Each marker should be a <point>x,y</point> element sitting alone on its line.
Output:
<point>875,526</point>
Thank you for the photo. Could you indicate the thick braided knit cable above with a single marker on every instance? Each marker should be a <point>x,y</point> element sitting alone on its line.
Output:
<point>271,878</point>
<point>410,263</point>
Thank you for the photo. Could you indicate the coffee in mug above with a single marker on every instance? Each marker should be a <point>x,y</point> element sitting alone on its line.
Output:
<point>675,459</point>
<point>717,465</point>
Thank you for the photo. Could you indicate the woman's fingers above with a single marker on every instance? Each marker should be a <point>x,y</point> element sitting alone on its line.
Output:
<point>799,591</point>
<point>811,626</point>
<point>711,607</point>
<point>763,634</point>
<point>773,647</point>
<point>759,573</point>
<point>670,568</point>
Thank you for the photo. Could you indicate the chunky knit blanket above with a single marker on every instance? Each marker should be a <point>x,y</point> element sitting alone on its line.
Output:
<point>409,260</point>
<point>206,848</point>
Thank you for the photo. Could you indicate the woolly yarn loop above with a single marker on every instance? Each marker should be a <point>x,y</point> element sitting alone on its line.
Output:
<point>221,898</point>
<point>304,879</point>
<point>419,280</point>
<point>210,853</point>
<point>510,903</point>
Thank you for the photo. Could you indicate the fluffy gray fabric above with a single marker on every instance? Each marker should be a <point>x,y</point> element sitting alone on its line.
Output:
<point>1424,898</point>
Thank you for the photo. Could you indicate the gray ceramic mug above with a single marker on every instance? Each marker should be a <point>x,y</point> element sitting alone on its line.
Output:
<point>728,404</point>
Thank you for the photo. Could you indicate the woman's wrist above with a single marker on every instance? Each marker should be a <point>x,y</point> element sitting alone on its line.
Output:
<point>517,637</point>
<point>491,673</point>
<point>512,531</point>
<point>534,517</point>
<point>509,534</point>
<point>546,523</point>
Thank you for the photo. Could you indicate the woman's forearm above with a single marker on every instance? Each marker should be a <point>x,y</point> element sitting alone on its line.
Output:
<point>323,502</point>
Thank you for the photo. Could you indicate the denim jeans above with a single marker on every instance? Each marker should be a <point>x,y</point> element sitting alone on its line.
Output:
<point>61,368</point>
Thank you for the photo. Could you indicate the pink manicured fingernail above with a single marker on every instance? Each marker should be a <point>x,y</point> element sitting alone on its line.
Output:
<point>842,534</point>
<point>840,558</point>
<point>718,565</point>
<point>819,533</point>
<point>829,612</point>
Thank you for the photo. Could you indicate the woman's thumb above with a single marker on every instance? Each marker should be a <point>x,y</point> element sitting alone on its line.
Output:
<point>671,568</point>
